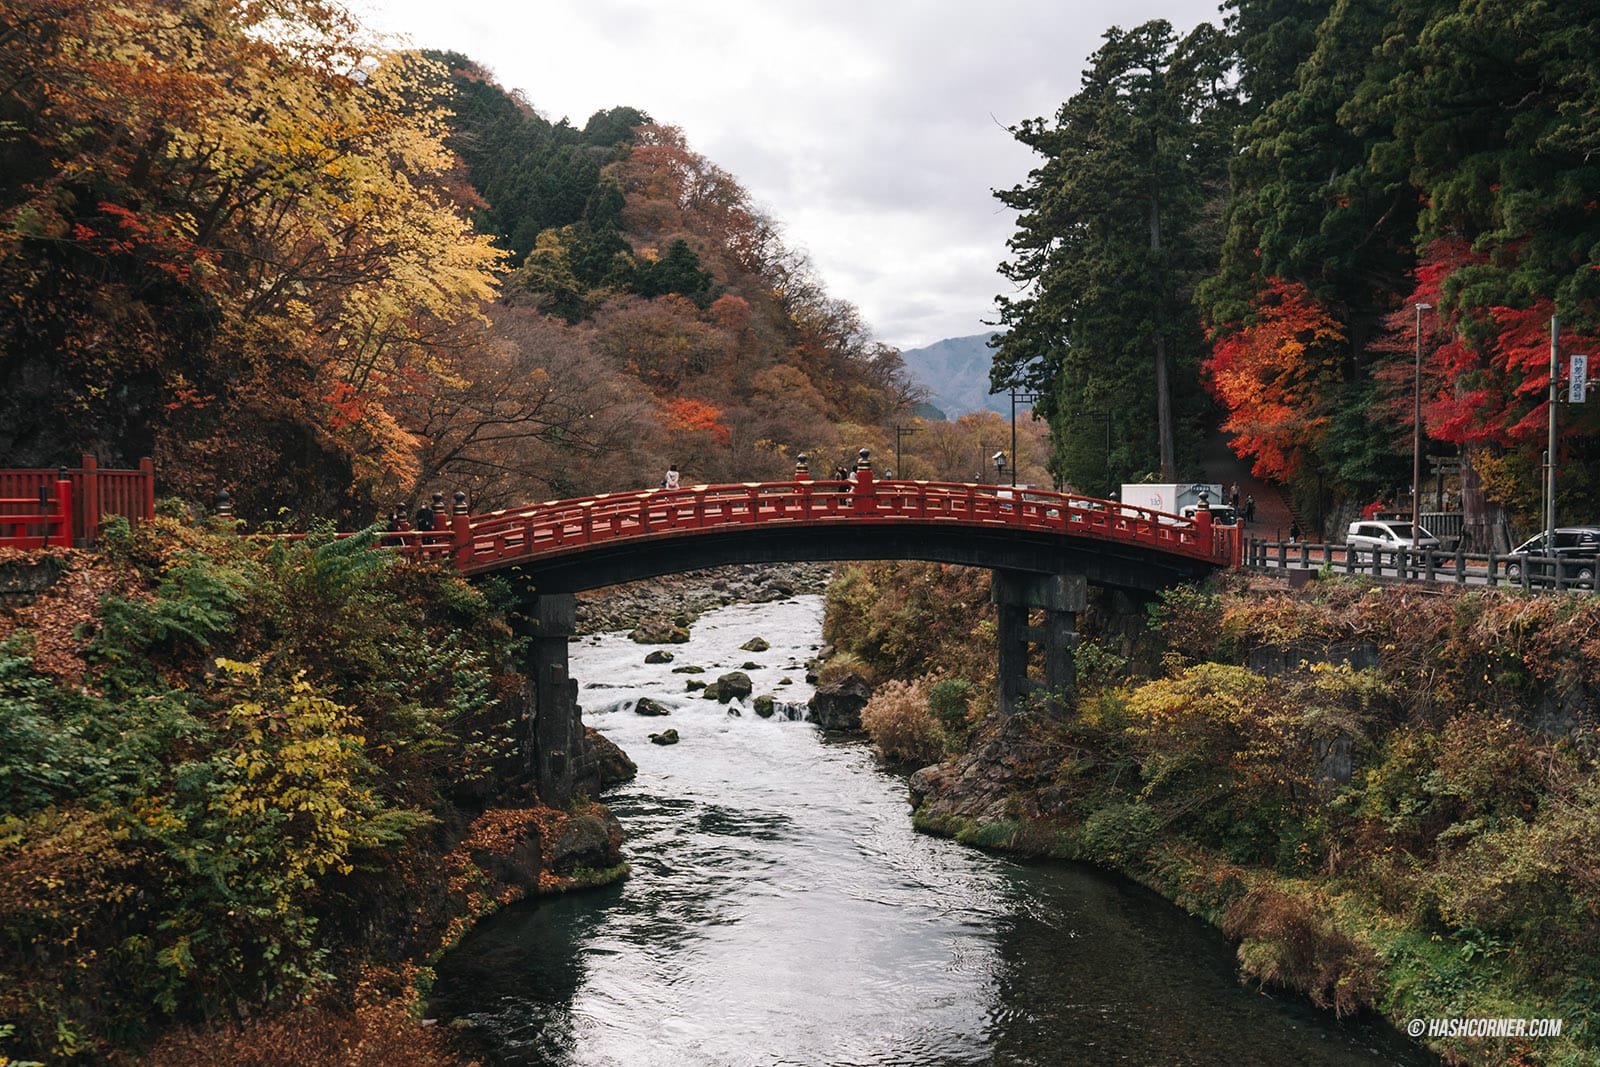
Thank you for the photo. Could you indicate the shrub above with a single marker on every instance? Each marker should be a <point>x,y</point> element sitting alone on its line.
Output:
<point>1284,942</point>
<point>950,703</point>
<point>900,724</point>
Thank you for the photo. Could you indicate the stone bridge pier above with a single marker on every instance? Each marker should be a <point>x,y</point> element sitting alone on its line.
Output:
<point>1061,597</point>
<point>555,731</point>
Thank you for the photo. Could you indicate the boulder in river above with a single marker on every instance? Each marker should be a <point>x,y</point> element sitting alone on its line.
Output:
<point>837,703</point>
<point>756,644</point>
<point>646,706</point>
<point>665,737</point>
<point>765,705</point>
<point>660,655</point>
<point>735,685</point>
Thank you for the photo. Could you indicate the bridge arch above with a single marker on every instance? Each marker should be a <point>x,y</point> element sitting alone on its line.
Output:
<point>1044,548</point>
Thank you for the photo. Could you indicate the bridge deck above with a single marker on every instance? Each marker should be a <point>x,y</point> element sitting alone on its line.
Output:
<point>500,539</point>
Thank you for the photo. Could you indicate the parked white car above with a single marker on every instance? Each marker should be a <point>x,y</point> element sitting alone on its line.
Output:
<point>1367,535</point>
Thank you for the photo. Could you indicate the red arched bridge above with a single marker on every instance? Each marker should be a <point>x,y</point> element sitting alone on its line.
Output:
<point>590,542</point>
<point>1044,548</point>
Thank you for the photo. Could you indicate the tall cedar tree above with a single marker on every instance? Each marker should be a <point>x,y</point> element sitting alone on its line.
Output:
<point>1111,239</point>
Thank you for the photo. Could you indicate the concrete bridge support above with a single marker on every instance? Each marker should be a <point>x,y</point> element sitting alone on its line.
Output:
<point>1061,597</point>
<point>549,621</point>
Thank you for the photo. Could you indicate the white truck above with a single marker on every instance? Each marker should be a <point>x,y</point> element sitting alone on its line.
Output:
<point>1177,498</point>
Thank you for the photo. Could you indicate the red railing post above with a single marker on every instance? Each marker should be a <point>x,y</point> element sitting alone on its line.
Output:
<point>147,467</point>
<point>61,535</point>
<point>863,497</point>
<point>461,530</point>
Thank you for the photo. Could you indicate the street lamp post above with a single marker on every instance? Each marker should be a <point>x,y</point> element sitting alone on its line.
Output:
<point>1027,398</point>
<point>900,435</point>
<point>1416,436</point>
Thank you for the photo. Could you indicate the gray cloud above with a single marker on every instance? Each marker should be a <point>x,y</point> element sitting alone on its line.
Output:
<point>872,130</point>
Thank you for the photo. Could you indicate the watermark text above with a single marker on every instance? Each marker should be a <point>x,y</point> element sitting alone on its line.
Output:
<point>1484,1027</point>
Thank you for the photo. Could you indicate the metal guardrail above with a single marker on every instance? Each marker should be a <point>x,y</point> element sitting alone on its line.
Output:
<point>1535,574</point>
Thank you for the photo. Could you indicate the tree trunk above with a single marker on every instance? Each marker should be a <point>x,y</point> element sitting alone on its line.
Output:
<point>1164,431</point>
<point>1483,524</point>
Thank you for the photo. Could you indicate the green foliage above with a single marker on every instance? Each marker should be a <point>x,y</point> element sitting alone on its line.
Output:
<point>950,703</point>
<point>259,739</point>
<point>196,602</point>
<point>37,754</point>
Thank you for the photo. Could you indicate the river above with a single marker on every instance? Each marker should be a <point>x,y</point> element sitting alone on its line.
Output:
<point>782,911</point>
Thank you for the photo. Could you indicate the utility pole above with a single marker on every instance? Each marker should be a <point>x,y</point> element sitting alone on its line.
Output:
<point>1416,437</point>
<point>1550,456</point>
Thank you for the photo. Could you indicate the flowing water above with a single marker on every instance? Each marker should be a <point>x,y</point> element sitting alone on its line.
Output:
<point>782,911</point>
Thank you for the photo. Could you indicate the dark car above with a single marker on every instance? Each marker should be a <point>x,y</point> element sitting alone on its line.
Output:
<point>1575,546</point>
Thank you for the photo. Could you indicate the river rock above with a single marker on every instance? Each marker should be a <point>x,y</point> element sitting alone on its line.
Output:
<point>600,764</point>
<point>646,706</point>
<point>735,685</point>
<point>665,737</point>
<point>659,631</point>
<point>837,704</point>
<point>688,669</point>
<point>756,644</point>
<point>765,705</point>
<point>584,840</point>
<point>660,655</point>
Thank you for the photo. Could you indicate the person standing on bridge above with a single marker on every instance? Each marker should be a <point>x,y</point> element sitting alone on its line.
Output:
<point>671,480</point>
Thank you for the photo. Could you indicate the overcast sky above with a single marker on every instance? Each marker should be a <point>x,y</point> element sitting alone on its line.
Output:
<point>872,131</point>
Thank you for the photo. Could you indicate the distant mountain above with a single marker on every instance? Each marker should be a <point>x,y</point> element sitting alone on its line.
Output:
<point>956,372</point>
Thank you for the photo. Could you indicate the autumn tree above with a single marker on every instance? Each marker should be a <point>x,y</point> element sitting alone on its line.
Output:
<point>1274,378</point>
<point>241,224</point>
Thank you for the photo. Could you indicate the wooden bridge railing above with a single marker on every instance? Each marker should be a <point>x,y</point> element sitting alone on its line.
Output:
<point>483,542</point>
<point>95,495</point>
<point>45,518</point>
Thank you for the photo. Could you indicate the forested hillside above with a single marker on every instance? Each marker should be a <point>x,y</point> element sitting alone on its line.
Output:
<point>327,278</point>
<point>1289,216</point>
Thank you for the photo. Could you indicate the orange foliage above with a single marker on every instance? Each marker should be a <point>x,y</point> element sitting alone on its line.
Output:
<point>696,416</point>
<point>1273,375</point>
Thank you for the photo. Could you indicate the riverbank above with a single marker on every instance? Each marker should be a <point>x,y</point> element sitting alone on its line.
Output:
<point>623,607</point>
<point>1389,802</point>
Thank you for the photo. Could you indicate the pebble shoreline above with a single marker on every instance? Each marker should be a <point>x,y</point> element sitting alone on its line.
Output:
<point>623,607</point>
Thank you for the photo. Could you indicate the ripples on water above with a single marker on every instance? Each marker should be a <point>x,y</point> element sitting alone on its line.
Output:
<point>782,911</point>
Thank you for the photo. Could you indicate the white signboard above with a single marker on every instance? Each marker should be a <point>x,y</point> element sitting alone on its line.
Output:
<point>1578,379</point>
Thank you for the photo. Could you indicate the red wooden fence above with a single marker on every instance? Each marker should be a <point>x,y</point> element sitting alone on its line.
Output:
<point>94,496</point>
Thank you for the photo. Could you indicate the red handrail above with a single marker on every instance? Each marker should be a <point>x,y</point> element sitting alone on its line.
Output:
<point>97,493</point>
<point>485,542</point>
<point>50,523</point>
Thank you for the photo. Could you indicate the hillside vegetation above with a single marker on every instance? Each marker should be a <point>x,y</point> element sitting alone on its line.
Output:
<point>249,791</point>
<point>325,277</point>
